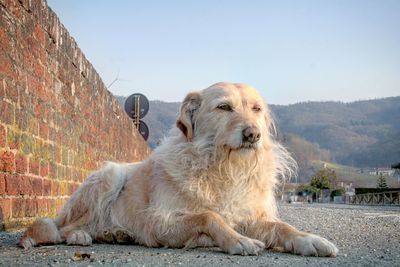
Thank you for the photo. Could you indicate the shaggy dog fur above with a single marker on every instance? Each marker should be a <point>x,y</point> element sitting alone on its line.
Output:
<point>210,184</point>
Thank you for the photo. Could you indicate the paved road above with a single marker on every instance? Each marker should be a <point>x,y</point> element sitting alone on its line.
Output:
<point>365,236</point>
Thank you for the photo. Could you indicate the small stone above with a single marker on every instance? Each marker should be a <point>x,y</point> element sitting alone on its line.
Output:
<point>79,256</point>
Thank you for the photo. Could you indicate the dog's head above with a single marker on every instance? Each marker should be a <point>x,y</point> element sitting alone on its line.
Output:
<point>228,116</point>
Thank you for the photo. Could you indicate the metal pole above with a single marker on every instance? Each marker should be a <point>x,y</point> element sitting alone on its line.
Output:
<point>137,112</point>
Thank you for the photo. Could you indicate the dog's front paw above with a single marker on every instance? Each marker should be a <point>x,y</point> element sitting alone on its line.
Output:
<point>310,245</point>
<point>27,242</point>
<point>246,246</point>
<point>79,237</point>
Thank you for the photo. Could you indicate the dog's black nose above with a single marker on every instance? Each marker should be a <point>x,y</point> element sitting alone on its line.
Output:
<point>251,134</point>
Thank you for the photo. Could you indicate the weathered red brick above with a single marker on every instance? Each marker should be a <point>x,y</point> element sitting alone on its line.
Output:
<point>44,168</point>
<point>5,209</point>
<point>25,185</point>
<point>70,189</point>
<point>21,163</point>
<point>37,187</point>
<point>77,176</point>
<point>57,154</point>
<point>12,91</point>
<point>75,187</point>
<point>52,134</point>
<point>48,81</point>
<point>13,139</point>
<point>25,100</point>
<point>55,188</point>
<point>12,184</point>
<point>64,188</point>
<point>68,173</point>
<point>4,40</point>
<point>51,204</point>
<point>51,156</point>
<point>46,188</point>
<point>7,162</point>
<point>33,128</point>
<point>43,130</point>
<point>34,166</point>
<point>59,204</point>
<point>21,118</point>
<point>40,35</point>
<point>28,61</point>
<point>43,95</point>
<point>61,171</point>
<point>6,110</point>
<point>18,207</point>
<point>2,183</point>
<point>42,207</point>
<point>6,67</point>
<point>28,143</point>
<point>3,134</point>
<point>34,84</point>
<point>31,208</point>
<point>52,170</point>
<point>38,109</point>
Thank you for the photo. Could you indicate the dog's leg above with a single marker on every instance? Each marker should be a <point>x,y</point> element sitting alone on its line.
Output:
<point>201,240</point>
<point>191,226</point>
<point>41,232</point>
<point>47,231</point>
<point>280,234</point>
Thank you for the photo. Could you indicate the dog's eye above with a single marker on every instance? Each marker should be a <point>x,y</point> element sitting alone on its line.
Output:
<point>225,107</point>
<point>256,108</point>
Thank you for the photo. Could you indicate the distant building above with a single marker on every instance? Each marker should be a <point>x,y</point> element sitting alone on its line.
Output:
<point>348,189</point>
<point>383,171</point>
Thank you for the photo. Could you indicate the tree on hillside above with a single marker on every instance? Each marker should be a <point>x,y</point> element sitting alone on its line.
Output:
<point>306,188</point>
<point>325,178</point>
<point>382,184</point>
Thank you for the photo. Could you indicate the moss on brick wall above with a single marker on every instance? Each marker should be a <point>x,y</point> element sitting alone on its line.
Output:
<point>58,122</point>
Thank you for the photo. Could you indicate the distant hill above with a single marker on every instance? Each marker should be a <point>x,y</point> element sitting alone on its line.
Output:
<point>362,134</point>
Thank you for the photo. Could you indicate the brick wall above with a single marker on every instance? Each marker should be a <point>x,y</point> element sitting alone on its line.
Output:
<point>57,120</point>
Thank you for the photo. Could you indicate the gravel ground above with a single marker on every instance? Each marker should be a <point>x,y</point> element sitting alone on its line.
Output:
<point>365,236</point>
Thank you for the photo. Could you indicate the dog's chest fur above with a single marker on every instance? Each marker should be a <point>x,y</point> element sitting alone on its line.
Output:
<point>235,198</point>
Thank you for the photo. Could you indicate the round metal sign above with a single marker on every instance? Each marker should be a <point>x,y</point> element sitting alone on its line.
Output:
<point>131,107</point>
<point>143,130</point>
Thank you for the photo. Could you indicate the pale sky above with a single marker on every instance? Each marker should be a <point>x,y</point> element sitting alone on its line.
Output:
<point>291,51</point>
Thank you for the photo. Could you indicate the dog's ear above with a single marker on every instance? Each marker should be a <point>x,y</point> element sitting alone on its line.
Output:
<point>189,108</point>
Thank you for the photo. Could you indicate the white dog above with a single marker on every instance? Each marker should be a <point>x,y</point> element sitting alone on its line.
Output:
<point>210,184</point>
